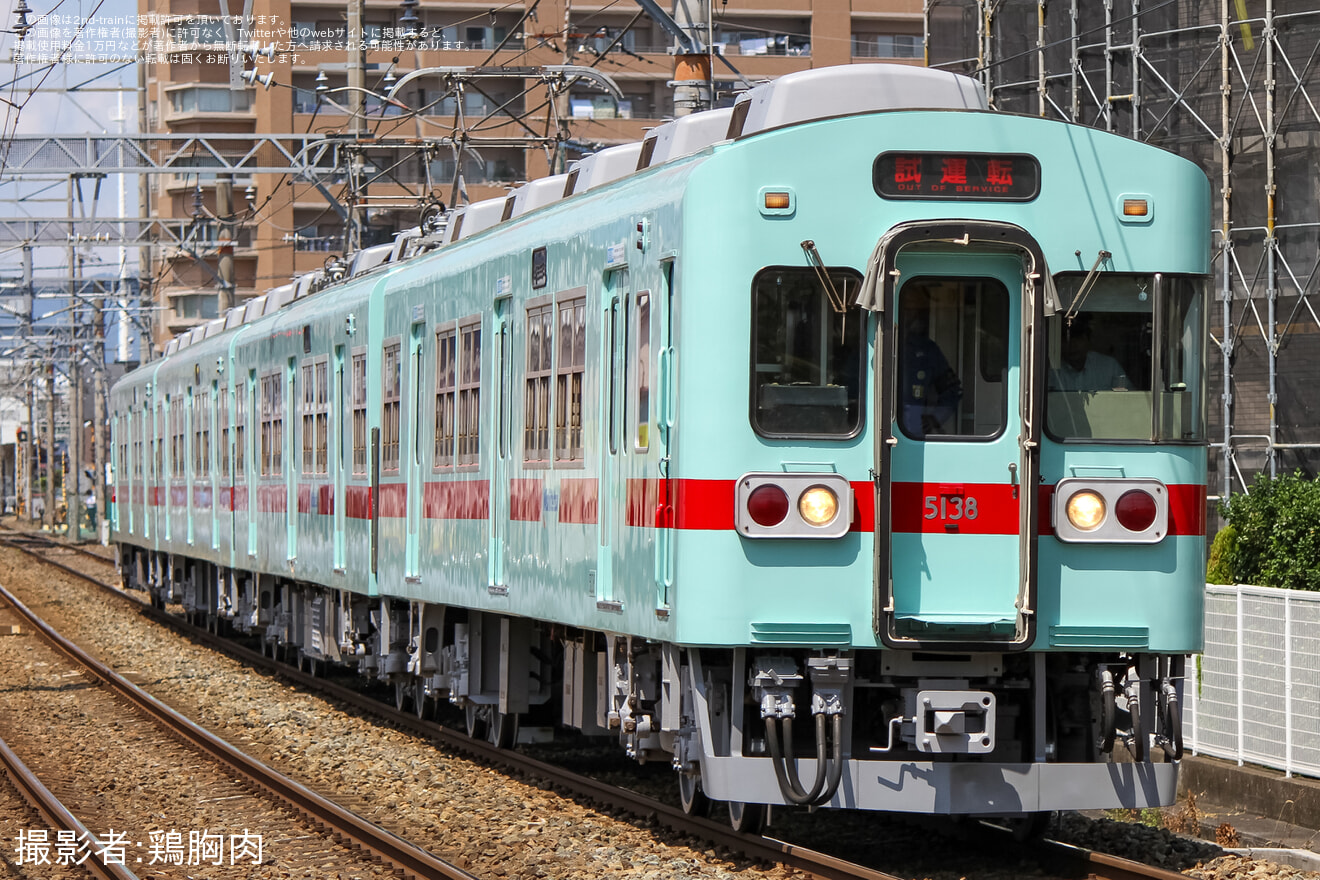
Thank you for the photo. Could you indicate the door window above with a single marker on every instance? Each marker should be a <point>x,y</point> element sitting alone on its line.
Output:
<point>952,358</point>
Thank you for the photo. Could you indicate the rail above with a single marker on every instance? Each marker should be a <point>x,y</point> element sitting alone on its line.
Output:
<point>56,814</point>
<point>352,828</point>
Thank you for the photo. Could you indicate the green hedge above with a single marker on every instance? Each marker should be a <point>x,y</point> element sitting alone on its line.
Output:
<point>1273,535</point>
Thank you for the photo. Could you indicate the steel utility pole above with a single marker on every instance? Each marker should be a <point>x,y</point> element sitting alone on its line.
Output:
<point>48,519</point>
<point>73,473</point>
<point>224,213</point>
<point>691,27</point>
<point>30,447</point>
<point>357,87</point>
<point>73,449</point>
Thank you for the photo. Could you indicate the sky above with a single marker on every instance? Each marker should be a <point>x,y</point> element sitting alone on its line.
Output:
<point>35,100</point>
<point>41,100</point>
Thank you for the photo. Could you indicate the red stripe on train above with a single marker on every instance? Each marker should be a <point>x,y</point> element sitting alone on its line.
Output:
<point>525,500</point>
<point>577,500</point>
<point>393,499</point>
<point>709,505</point>
<point>357,502</point>
<point>702,505</point>
<point>272,499</point>
<point>466,499</point>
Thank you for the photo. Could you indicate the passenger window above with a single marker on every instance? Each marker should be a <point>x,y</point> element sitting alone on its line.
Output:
<point>952,337</point>
<point>1126,359</point>
<point>391,393</point>
<point>807,351</point>
<point>469,392</point>
<point>570,368</point>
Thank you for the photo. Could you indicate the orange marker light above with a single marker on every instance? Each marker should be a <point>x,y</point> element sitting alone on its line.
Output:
<point>777,201</point>
<point>1134,208</point>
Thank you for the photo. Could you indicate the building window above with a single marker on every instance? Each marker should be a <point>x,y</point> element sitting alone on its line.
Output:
<point>359,413</point>
<point>536,424</point>
<point>210,100</point>
<point>391,389</point>
<point>469,392</point>
<point>445,374</point>
<point>568,378</point>
<point>888,46</point>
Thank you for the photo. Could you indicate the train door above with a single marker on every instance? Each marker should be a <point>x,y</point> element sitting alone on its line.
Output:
<point>958,542</point>
<point>213,451</point>
<point>413,453</point>
<point>251,416</point>
<point>664,422</point>
<point>144,465</point>
<point>501,416</point>
<point>286,409</point>
<point>337,455</point>
<point>191,464</point>
<point>612,354</point>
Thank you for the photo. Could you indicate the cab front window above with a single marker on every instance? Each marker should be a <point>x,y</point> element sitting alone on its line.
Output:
<point>1126,359</point>
<point>807,349</point>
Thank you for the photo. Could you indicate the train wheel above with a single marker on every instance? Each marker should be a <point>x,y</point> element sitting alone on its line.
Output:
<point>503,729</point>
<point>747,818</point>
<point>403,694</point>
<point>690,793</point>
<point>476,720</point>
<point>424,708</point>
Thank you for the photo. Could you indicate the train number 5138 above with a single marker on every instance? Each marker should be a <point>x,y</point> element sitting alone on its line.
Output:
<point>950,507</point>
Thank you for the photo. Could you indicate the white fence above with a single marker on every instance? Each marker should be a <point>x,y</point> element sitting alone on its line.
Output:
<point>1254,695</point>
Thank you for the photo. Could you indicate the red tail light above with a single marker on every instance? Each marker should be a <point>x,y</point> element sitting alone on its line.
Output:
<point>767,505</point>
<point>1136,510</point>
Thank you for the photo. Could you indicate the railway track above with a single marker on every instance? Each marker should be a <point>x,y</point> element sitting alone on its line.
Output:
<point>1067,861</point>
<point>375,844</point>
<point>56,816</point>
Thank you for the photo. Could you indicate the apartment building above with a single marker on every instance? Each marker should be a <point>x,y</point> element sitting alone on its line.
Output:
<point>283,224</point>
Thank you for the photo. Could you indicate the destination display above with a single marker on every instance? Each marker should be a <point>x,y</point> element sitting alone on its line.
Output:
<point>1013,177</point>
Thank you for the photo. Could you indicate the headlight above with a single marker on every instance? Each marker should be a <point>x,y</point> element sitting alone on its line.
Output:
<point>818,506</point>
<point>776,504</point>
<point>1086,511</point>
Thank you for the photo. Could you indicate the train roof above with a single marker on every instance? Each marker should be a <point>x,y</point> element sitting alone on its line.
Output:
<point>793,99</point>
<point>600,168</point>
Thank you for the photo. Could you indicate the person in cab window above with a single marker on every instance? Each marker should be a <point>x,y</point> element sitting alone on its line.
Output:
<point>929,389</point>
<point>1082,368</point>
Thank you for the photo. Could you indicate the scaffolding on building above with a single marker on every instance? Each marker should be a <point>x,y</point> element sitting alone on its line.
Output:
<point>1235,87</point>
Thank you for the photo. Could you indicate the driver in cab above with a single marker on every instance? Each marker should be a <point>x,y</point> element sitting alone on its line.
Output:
<point>1082,368</point>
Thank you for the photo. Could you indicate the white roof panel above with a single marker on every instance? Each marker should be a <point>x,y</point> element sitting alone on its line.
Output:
<point>856,88</point>
<point>686,135</point>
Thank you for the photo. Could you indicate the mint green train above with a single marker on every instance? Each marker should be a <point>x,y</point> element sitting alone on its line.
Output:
<point>843,448</point>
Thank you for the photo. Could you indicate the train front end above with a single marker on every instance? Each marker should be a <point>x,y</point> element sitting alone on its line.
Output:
<point>964,449</point>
